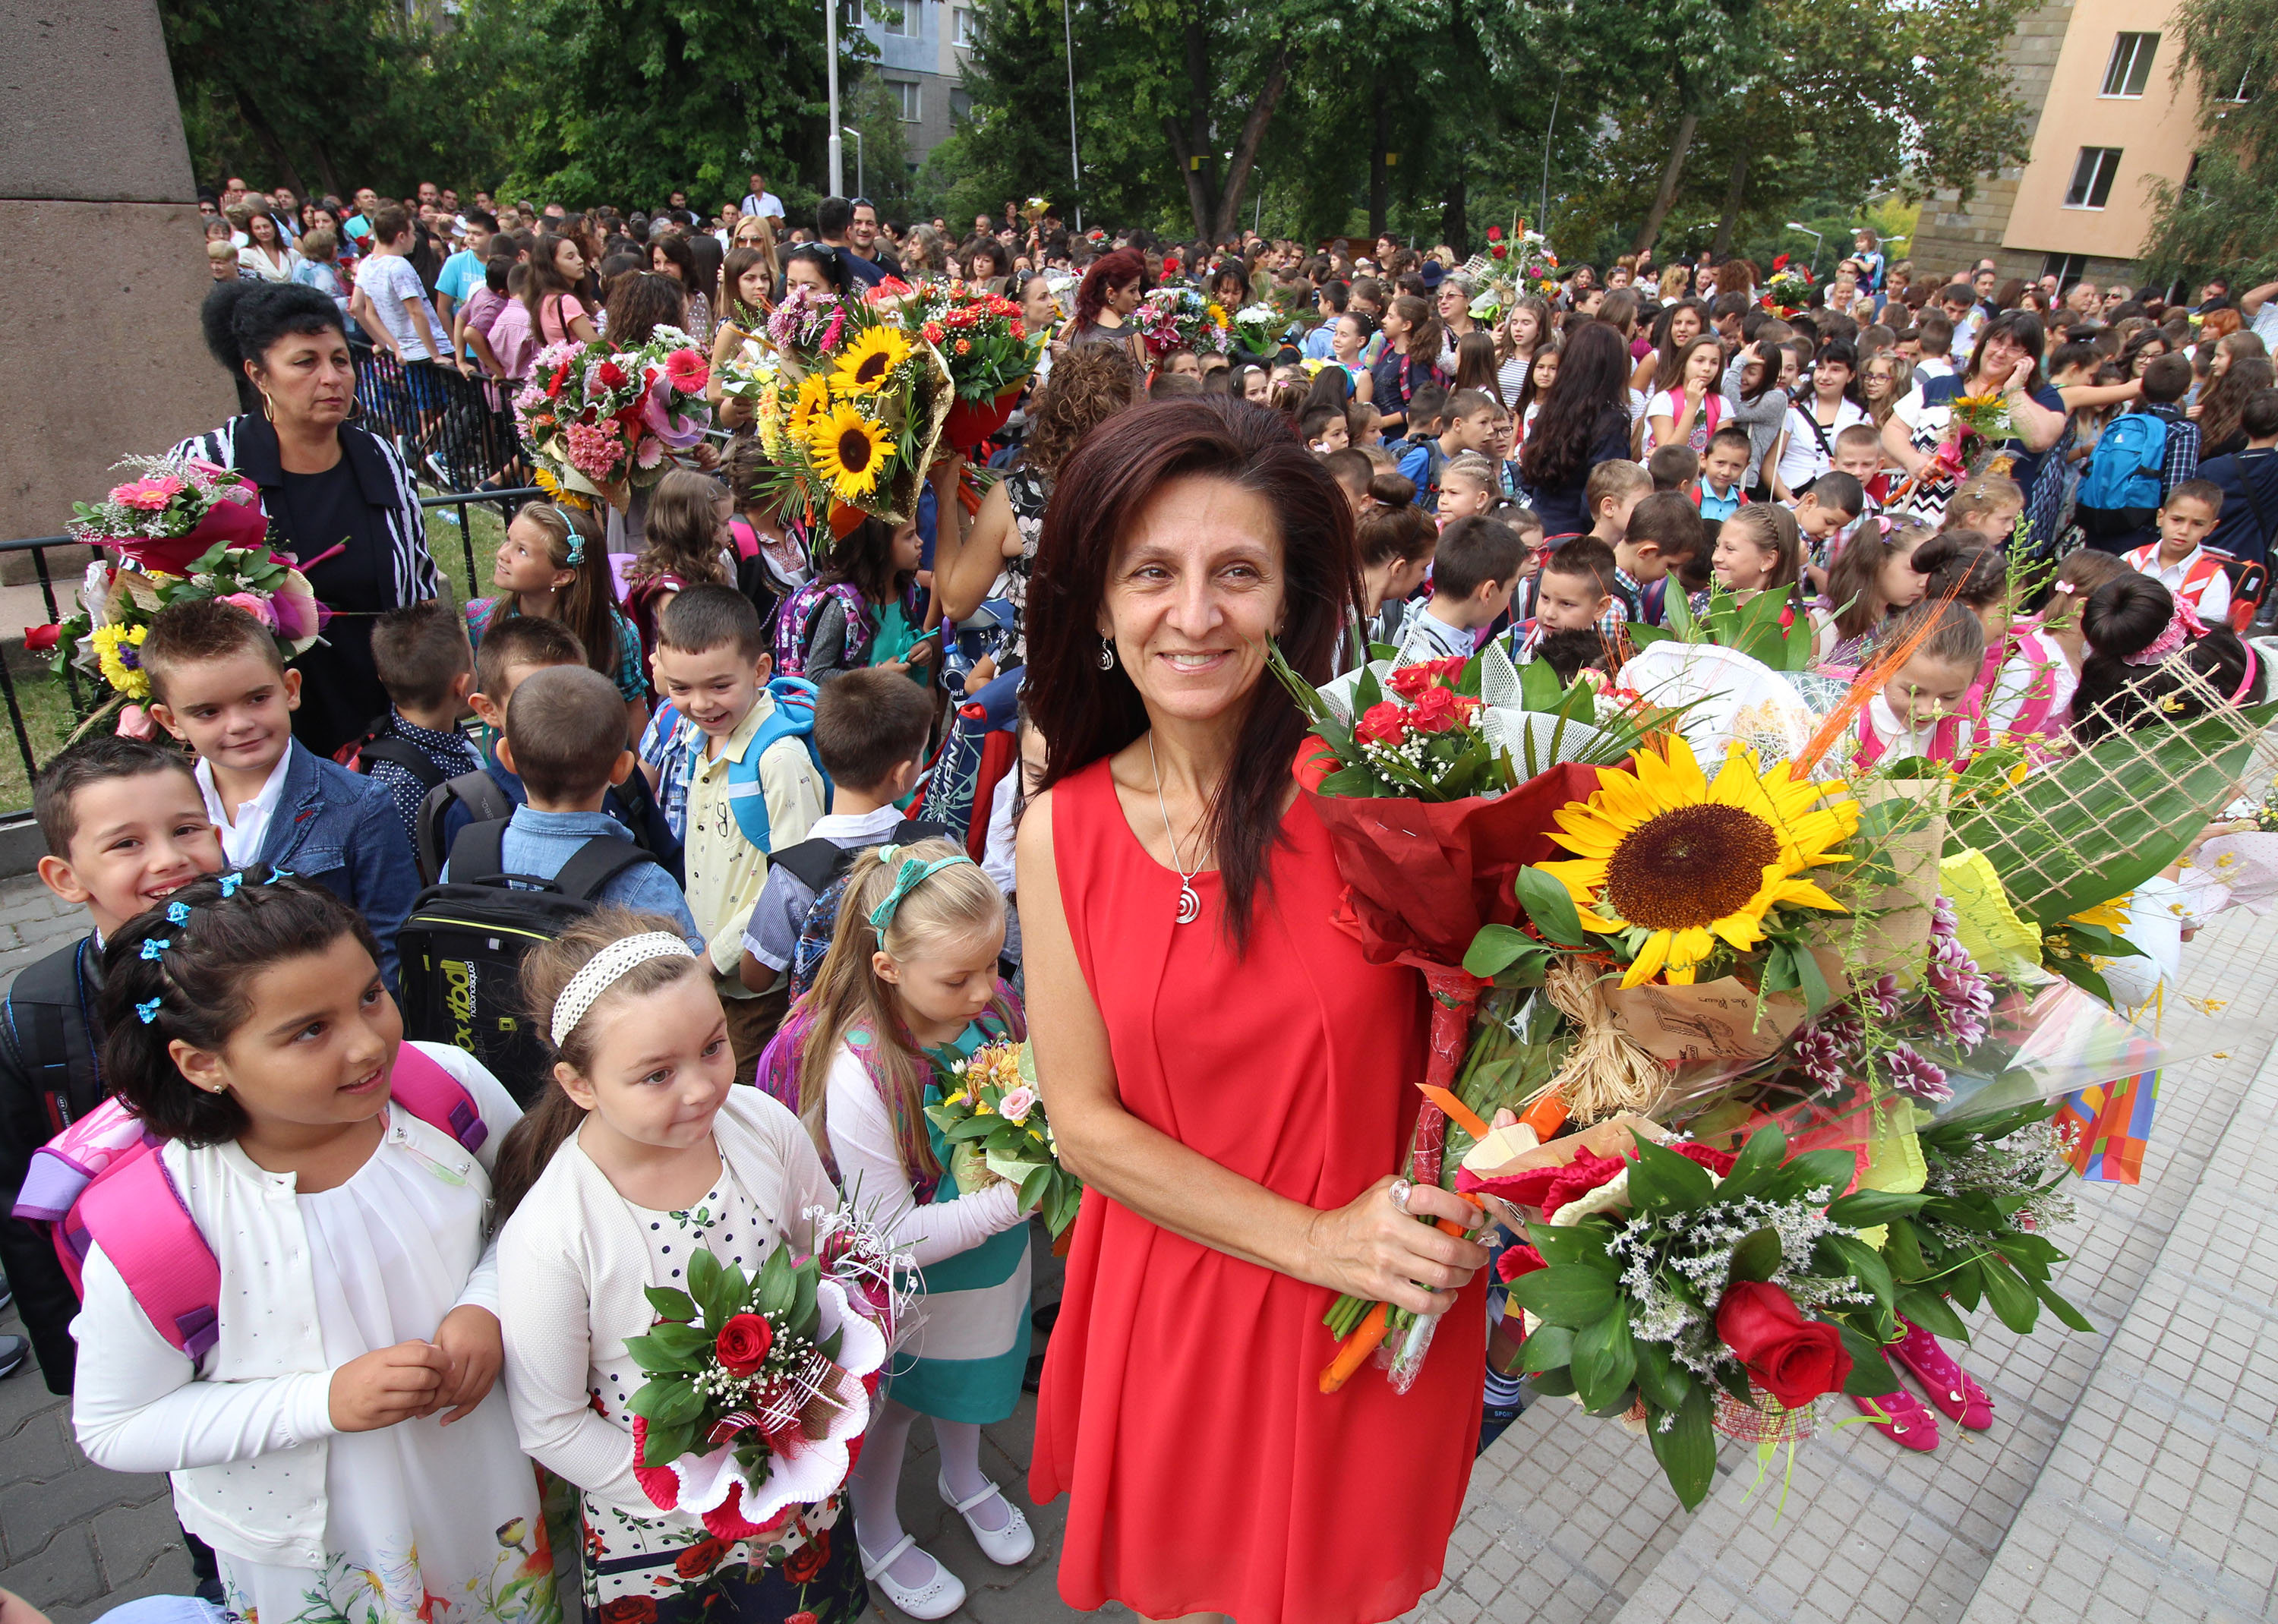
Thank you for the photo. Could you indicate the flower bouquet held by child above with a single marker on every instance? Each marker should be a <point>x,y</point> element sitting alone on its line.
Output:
<point>994,1122</point>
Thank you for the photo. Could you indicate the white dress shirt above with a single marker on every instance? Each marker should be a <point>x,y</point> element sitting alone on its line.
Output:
<point>242,836</point>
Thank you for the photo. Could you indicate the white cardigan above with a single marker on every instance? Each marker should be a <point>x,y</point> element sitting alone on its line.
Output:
<point>245,1431</point>
<point>571,1266</point>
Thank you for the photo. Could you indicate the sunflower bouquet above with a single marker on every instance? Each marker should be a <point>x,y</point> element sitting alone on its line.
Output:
<point>1182,318</point>
<point>993,1120</point>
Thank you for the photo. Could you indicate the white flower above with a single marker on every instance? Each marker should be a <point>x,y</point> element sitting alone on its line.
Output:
<point>1016,1103</point>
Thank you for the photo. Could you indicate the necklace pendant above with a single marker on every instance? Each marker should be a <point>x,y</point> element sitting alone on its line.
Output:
<point>1190,906</point>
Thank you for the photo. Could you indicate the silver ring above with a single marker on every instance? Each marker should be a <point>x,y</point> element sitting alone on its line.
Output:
<point>1399,1190</point>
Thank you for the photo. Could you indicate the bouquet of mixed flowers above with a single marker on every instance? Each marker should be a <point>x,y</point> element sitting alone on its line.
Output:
<point>1788,285</point>
<point>1259,327</point>
<point>987,346</point>
<point>602,418</point>
<point>759,1387</point>
<point>1182,318</point>
<point>994,1122</point>
<point>1537,267</point>
<point>173,511</point>
<point>748,370</point>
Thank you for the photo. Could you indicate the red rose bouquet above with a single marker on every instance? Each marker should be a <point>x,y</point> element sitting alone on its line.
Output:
<point>759,1387</point>
<point>602,418</point>
<point>1701,1291</point>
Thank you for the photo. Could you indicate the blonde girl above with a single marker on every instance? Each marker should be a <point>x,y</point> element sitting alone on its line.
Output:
<point>640,1152</point>
<point>551,565</point>
<point>1758,549</point>
<point>908,992</point>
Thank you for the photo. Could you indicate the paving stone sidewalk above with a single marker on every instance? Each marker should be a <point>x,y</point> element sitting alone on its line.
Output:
<point>2133,1472</point>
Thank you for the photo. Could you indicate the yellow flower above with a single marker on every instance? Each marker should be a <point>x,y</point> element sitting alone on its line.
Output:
<point>122,668</point>
<point>2112,915</point>
<point>813,396</point>
<point>868,363</point>
<point>850,450</point>
<point>1692,862</point>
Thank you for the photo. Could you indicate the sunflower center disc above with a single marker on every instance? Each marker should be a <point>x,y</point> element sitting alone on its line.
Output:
<point>1688,867</point>
<point>855,451</point>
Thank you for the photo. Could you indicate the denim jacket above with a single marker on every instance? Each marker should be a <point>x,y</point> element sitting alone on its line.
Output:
<point>339,829</point>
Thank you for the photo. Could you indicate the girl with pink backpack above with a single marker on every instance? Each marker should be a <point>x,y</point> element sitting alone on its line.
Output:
<point>289,1288</point>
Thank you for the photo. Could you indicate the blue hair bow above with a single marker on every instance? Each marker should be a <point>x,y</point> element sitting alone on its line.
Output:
<point>178,913</point>
<point>148,1010</point>
<point>576,536</point>
<point>914,872</point>
<point>153,946</point>
<point>229,884</point>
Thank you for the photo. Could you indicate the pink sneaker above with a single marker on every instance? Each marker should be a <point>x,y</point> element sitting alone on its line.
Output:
<point>1947,1384</point>
<point>1900,1417</point>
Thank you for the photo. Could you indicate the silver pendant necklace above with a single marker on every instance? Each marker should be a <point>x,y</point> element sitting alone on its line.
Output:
<point>1190,905</point>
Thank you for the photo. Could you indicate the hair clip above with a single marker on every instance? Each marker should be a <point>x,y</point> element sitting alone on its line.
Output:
<point>153,946</point>
<point>275,874</point>
<point>147,1011</point>
<point>178,913</point>
<point>576,536</point>
<point>229,884</point>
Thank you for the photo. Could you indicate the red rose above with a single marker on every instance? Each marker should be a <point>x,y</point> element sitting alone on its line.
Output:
<point>1517,1260</point>
<point>1548,1187</point>
<point>1438,711</point>
<point>743,1343</point>
<point>611,375</point>
<point>933,333</point>
<point>805,1564</point>
<point>1410,681</point>
<point>1716,1162</point>
<point>629,1610</point>
<point>1794,1359</point>
<point>1499,249</point>
<point>1779,261</point>
<point>1494,233</point>
<point>41,639</point>
<point>802,1618</point>
<point>1383,724</point>
<point>1019,332</point>
<point>699,1558</point>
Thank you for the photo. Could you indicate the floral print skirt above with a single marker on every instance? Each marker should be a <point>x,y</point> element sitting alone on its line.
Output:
<point>636,1570</point>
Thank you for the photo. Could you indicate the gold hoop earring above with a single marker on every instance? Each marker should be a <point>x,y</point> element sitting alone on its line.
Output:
<point>268,408</point>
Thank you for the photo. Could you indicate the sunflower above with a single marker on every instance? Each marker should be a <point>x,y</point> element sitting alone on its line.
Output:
<point>814,397</point>
<point>1664,851</point>
<point>868,362</point>
<point>849,450</point>
<point>2112,915</point>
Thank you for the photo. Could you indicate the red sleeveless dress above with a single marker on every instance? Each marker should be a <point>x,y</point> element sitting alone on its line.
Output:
<point>1180,1410</point>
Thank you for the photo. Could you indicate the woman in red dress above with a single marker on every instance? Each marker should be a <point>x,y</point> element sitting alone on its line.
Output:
<point>1232,1081</point>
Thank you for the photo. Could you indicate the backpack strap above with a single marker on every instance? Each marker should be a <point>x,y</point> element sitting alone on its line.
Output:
<point>815,863</point>
<point>593,865</point>
<point>46,1021</point>
<point>478,792</point>
<point>480,853</point>
<point>138,1218</point>
<point>420,1084</point>
<point>402,753</point>
<point>793,716</point>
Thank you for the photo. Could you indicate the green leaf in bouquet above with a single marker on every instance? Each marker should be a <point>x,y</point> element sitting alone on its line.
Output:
<point>1871,1374</point>
<point>1642,636</point>
<point>1553,1384</point>
<point>1658,1379</point>
<point>1902,1250</point>
<point>2065,1312</point>
<point>1565,1294</point>
<point>1497,947</point>
<point>1605,1364</point>
<point>1581,1244</point>
<point>2084,975</point>
<point>776,1289</point>
<point>1032,1185</point>
<point>1662,1180</point>
<point>805,1281</point>
<point>670,1304</point>
<point>1927,1308</point>
<point>2034,1255</point>
<point>1757,1257</point>
<point>1687,1448</point>
<point>684,1345</point>
<point>1678,605</point>
<point>666,1445</point>
<point>2011,1299</point>
<point>1864,1209</point>
<point>1815,1169</point>
<point>656,1402</point>
<point>2102,941</point>
<point>1863,1264</point>
<point>1763,1153</point>
<point>968,1128</point>
<point>1550,907</point>
<point>1547,1348</point>
<point>1539,687</point>
<point>1734,1380</point>
<point>708,1285</point>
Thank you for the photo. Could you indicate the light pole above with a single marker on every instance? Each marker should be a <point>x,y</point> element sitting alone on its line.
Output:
<point>1817,239</point>
<point>1075,169</point>
<point>838,152</point>
<point>849,129</point>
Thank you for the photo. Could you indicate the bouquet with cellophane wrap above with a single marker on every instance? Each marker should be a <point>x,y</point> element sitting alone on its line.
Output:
<point>601,419</point>
<point>993,1119</point>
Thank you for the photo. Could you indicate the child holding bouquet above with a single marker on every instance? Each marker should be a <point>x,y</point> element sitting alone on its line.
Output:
<point>640,1154</point>
<point>908,993</point>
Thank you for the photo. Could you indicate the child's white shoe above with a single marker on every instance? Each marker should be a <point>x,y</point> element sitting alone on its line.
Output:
<point>937,1599</point>
<point>1008,1546</point>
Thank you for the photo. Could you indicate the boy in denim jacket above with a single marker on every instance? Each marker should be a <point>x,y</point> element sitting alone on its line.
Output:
<point>219,684</point>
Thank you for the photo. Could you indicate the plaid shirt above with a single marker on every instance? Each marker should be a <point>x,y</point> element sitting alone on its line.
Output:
<point>663,748</point>
<point>1618,612</point>
<point>2182,460</point>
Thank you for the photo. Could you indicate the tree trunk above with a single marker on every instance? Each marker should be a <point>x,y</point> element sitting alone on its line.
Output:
<point>1380,173</point>
<point>265,133</point>
<point>1202,145</point>
<point>1455,226</point>
<point>1731,215</point>
<point>1665,193</point>
<point>1198,202</point>
<point>1246,145</point>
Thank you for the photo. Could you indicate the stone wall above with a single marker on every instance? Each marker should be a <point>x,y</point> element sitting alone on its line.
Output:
<point>1953,235</point>
<point>99,213</point>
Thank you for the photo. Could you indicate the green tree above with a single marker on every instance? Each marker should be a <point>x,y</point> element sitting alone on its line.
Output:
<point>2224,214</point>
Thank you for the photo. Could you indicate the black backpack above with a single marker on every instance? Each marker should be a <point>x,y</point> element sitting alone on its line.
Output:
<point>462,945</point>
<point>485,803</point>
<point>820,864</point>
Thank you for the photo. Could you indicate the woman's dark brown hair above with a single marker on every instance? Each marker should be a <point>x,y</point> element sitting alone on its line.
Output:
<point>642,302</point>
<point>1086,713</point>
<point>1088,385</point>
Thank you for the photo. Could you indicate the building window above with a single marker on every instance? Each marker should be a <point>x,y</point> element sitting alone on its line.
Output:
<point>901,15</point>
<point>2092,177</point>
<point>961,103</point>
<point>2065,268</point>
<point>2130,67</point>
<point>905,99</point>
<point>961,24</point>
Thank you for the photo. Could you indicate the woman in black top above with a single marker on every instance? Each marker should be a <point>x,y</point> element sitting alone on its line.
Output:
<point>1585,420</point>
<point>338,498</point>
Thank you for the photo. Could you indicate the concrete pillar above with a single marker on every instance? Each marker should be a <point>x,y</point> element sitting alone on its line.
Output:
<point>100,354</point>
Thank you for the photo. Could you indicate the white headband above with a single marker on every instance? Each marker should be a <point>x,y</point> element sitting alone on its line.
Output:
<point>599,974</point>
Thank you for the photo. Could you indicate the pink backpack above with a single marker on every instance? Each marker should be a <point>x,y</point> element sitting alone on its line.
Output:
<point>102,1179</point>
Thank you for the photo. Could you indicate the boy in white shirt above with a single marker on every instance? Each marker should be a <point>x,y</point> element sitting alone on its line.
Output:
<point>1474,570</point>
<point>2179,559</point>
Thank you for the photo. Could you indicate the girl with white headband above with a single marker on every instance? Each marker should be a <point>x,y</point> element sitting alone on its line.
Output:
<point>640,1152</point>
<point>908,990</point>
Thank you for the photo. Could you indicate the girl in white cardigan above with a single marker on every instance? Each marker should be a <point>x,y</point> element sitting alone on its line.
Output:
<point>338,1442</point>
<point>641,1152</point>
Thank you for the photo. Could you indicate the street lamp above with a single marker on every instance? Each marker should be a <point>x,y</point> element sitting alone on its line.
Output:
<point>1817,239</point>
<point>1075,168</point>
<point>836,152</point>
<point>848,129</point>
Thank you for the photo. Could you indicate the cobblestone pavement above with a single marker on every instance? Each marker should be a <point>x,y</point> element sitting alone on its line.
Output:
<point>2134,1470</point>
